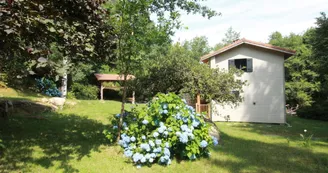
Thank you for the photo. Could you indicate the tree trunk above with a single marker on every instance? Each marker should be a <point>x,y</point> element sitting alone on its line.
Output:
<point>64,81</point>
<point>122,109</point>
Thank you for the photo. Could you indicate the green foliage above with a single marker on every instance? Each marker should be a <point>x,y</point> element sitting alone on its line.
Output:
<point>28,28</point>
<point>320,53</point>
<point>230,36</point>
<point>167,127</point>
<point>318,111</point>
<point>197,47</point>
<point>84,92</point>
<point>306,140</point>
<point>176,72</point>
<point>301,76</point>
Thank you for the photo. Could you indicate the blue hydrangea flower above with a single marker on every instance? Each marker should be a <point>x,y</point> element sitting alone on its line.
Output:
<point>138,166</point>
<point>145,146</point>
<point>147,156</point>
<point>167,152</point>
<point>143,137</point>
<point>215,140</point>
<point>158,142</point>
<point>166,133</point>
<point>162,159</point>
<point>124,124</point>
<point>145,122</point>
<point>151,143</point>
<point>185,119</point>
<point>165,106</point>
<point>136,157</point>
<point>161,129</point>
<point>118,115</point>
<point>128,153</point>
<point>152,155</point>
<point>167,145</point>
<point>183,138</point>
<point>155,134</point>
<point>115,127</point>
<point>158,150</point>
<point>193,157</point>
<point>184,127</point>
<point>151,160</point>
<point>133,139</point>
<point>178,116</point>
<point>143,160</point>
<point>161,124</point>
<point>203,144</point>
<point>195,123</point>
<point>178,133</point>
<point>184,100</point>
<point>165,111</point>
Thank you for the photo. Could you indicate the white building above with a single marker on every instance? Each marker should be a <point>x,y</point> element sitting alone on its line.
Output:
<point>264,96</point>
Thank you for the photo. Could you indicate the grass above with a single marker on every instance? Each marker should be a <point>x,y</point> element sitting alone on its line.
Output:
<point>71,140</point>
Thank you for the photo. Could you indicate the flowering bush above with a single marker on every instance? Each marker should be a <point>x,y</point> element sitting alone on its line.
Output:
<point>48,87</point>
<point>167,127</point>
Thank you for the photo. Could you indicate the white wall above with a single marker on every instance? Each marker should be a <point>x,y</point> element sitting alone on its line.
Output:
<point>265,86</point>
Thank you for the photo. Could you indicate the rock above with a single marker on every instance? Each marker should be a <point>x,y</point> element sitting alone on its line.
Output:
<point>214,132</point>
<point>44,100</point>
<point>57,101</point>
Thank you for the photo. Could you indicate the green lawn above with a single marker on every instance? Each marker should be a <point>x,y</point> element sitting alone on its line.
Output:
<point>71,140</point>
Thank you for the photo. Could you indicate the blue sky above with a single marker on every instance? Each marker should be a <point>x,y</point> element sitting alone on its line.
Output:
<point>254,19</point>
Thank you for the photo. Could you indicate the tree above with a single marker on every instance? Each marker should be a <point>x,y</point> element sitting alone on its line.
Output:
<point>230,36</point>
<point>29,27</point>
<point>178,73</point>
<point>197,47</point>
<point>301,77</point>
<point>136,32</point>
<point>320,53</point>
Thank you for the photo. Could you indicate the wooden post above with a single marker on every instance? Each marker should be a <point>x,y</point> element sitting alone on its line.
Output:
<point>198,103</point>
<point>101,91</point>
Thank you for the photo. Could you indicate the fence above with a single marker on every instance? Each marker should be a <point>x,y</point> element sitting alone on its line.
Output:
<point>204,108</point>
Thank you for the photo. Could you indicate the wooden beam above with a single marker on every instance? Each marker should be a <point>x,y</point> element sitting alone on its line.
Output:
<point>198,103</point>
<point>101,91</point>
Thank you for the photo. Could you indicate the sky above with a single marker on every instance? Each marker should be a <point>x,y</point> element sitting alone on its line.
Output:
<point>254,19</point>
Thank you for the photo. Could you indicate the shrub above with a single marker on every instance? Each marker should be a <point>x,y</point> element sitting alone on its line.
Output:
<point>167,127</point>
<point>85,92</point>
<point>318,111</point>
<point>47,87</point>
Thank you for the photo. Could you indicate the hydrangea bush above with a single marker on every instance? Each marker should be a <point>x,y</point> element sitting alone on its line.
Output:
<point>166,128</point>
<point>47,87</point>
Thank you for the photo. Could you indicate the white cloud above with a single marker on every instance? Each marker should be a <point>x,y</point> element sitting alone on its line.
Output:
<point>255,19</point>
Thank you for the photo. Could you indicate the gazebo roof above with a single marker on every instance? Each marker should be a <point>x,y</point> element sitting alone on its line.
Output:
<point>112,77</point>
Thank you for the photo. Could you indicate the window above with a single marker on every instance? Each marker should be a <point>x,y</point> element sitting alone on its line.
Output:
<point>243,64</point>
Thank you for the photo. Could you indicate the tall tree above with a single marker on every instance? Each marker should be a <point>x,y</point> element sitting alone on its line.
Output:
<point>136,31</point>
<point>230,36</point>
<point>28,28</point>
<point>301,77</point>
<point>320,53</point>
<point>197,47</point>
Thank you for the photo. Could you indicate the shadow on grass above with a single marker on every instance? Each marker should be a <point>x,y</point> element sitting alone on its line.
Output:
<point>52,141</point>
<point>256,156</point>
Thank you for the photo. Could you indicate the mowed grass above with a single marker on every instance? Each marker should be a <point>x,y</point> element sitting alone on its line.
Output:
<point>71,140</point>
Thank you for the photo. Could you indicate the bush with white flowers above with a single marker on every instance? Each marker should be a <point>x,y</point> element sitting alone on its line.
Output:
<point>166,128</point>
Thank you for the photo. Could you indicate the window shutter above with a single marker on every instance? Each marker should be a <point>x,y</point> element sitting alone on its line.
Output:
<point>249,65</point>
<point>231,63</point>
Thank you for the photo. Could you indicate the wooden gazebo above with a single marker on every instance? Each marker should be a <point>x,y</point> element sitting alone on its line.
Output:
<point>112,78</point>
